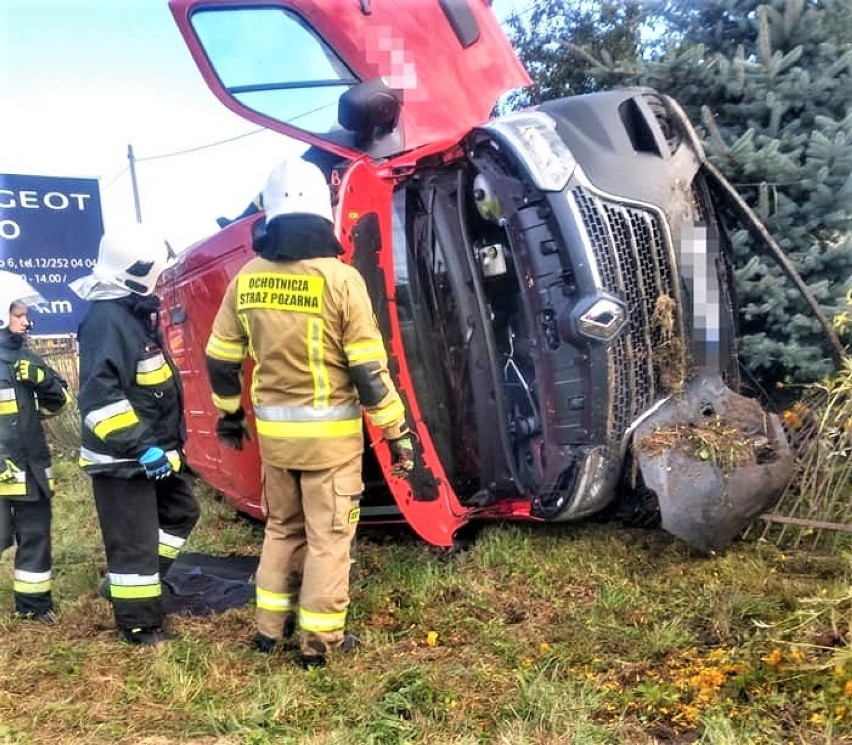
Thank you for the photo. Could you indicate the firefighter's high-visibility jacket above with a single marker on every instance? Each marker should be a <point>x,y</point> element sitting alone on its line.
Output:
<point>22,408</point>
<point>130,393</point>
<point>319,356</point>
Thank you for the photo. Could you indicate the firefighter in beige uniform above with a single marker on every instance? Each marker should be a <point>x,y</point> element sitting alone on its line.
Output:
<point>307,321</point>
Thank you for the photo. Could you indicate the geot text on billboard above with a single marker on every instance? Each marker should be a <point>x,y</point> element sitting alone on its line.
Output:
<point>50,228</point>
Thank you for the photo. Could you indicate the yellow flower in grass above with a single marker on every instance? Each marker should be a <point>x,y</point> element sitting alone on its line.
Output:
<point>774,657</point>
<point>707,682</point>
<point>795,415</point>
<point>847,689</point>
<point>797,656</point>
<point>432,639</point>
<point>686,715</point>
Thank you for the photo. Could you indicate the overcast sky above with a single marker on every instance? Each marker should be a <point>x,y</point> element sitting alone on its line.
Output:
<point>80,80</point>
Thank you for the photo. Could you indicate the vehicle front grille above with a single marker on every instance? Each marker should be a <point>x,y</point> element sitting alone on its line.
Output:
<point>631,247</point>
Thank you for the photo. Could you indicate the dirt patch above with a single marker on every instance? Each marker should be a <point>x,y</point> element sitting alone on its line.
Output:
<point>733,435</point>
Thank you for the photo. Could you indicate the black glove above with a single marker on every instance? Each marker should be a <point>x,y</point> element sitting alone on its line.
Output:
<point>31,373</point>
<point>402,455</point>
<point>232,428</point>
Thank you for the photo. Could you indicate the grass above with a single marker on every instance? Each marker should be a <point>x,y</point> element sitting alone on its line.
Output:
<point>819,426</point>
<point>579,634</point>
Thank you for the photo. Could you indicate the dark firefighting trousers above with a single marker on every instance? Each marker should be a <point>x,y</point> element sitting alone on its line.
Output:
<point>304,564</point>
<point>144,525</point>
<point>29,524</point>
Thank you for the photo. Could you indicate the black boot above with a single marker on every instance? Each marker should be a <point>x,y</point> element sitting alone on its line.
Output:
<point>263,643</point>
<point>267,645</point>
<point>311,661</point>
<point>149,637</point>
<point>44,616</point>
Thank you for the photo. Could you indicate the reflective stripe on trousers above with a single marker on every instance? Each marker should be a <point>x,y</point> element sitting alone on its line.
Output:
<point>30,583</point>
<point>134,586</point>
<point>169,545</point>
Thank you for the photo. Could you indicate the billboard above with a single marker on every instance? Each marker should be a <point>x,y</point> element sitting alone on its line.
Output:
<point>49,233</point>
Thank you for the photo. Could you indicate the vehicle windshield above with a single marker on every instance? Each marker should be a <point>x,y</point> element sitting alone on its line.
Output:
<point>286,72</point>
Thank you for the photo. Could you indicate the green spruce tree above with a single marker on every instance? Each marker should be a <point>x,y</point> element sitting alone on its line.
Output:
<point>607,28</point>
<point>770,85</point>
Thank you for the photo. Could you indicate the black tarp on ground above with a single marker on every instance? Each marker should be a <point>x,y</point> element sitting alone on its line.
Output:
<point>200,584</point>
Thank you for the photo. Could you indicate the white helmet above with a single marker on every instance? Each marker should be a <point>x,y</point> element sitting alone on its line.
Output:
<point>296,186</point>
<point>14,289</point>
<point>133,258</point>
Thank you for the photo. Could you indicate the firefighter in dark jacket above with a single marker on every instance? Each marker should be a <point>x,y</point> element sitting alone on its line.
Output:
<point>132,430</point>
<point>29,392</point>
<point>307,320</point>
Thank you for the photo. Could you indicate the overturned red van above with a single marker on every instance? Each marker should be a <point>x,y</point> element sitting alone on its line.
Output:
<point>552,284</point>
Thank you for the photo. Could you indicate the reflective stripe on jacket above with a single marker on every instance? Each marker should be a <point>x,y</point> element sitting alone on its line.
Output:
<point>319,356</point>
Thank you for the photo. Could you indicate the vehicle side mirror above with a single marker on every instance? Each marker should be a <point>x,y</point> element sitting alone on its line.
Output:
<point>369,109</point>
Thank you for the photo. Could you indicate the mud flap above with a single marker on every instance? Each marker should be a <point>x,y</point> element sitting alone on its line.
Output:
<point>704,500</point>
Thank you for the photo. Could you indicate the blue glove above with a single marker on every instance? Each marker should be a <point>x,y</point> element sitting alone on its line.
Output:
<point>155,463</point>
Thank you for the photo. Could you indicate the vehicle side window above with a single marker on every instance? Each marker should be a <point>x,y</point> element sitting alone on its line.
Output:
<point>287,72</point>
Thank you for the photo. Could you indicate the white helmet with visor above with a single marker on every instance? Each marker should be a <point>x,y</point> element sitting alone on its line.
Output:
<point>15,290</point>
<point>133,257</point>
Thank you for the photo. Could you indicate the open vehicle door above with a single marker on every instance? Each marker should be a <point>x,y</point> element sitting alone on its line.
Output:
<point>379,77</point>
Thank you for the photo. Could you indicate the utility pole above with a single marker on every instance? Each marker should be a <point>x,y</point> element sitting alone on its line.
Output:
<point>132,159</point>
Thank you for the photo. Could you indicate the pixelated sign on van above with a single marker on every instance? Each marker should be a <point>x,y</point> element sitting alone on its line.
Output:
<point>49,233</point>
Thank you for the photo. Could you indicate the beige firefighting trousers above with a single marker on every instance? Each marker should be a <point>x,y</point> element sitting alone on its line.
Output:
<point>304,564</point>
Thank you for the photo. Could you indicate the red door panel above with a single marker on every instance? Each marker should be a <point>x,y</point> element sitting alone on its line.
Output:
<point>429,503</point>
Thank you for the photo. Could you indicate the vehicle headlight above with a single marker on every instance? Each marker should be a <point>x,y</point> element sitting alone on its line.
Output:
<point>535,139</point>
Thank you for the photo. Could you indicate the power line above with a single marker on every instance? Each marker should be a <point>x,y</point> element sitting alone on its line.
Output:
<point>115,178</point>
<point>201,147</point>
